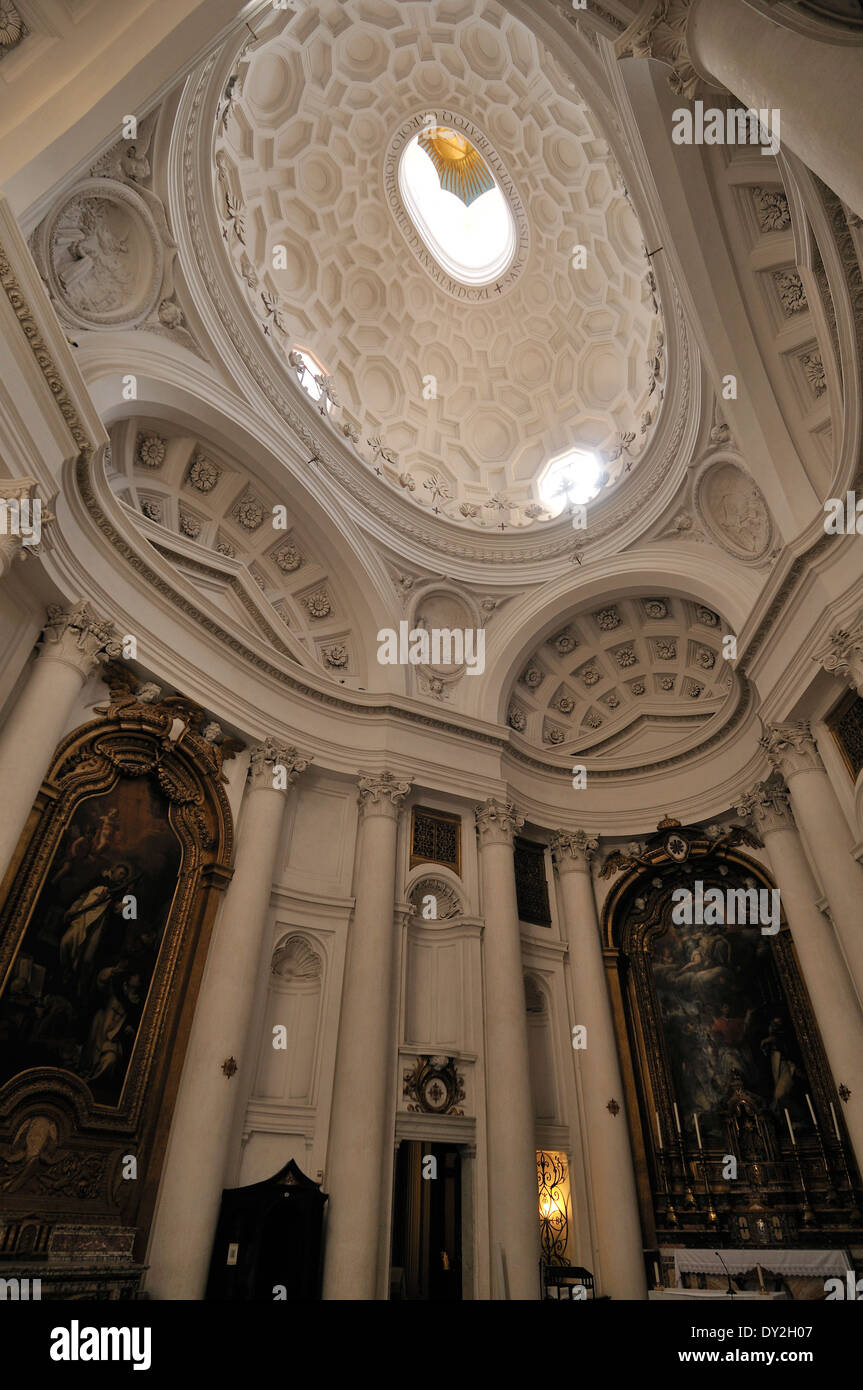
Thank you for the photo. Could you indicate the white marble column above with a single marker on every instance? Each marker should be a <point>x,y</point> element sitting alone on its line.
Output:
<point>359,1142</point>
<point>511,1137</point>
<point>222,1031</point>
<point>819,816</point>
<point>834,1001</point>
<point>612,1174</point>
<point>764,62</point>
<point>74,642</point>
<point>813,83</point>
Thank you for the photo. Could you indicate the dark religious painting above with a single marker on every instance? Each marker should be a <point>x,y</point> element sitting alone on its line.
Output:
<point>716,1034</point>
<point>78,985</point>
<point>724,1018</point>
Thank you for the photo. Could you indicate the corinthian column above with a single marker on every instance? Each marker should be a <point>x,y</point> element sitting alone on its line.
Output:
<point>513,1193</point>
<point>222,1031</point>
<point>359,1143</point>
<point>763,62</point>
<point>842,655</point>
<point>791,749</point>
<point>612,1176</point>
<point>74,642</point>
<point>831,991</point>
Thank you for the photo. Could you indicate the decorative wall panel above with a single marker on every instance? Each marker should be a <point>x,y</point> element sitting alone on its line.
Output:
<point>435,838</point>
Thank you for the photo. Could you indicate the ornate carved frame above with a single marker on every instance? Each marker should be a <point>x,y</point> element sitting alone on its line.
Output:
<point>640,1040</point>
<point>91,1139</point>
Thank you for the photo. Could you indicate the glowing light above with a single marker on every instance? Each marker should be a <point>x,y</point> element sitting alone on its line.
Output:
<point>308,374</point>
<point>572,479</point>
<point>470,232</point>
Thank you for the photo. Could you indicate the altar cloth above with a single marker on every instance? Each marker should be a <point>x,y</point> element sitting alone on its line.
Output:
<point>805,1264</point>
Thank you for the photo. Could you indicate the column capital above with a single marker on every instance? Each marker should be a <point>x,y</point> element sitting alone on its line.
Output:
<point>78,637</point>
<point>767,806</point>
<point>573,849</point>
<point>659,32</point>
<point>382,794</point>
<point>791,748</point>
<point>842,654</point>
<point>275,766</point>
<point>22,519</point>
<point>497,822</point>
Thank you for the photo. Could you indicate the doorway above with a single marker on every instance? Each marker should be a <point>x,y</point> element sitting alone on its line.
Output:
<point>426,1254</point>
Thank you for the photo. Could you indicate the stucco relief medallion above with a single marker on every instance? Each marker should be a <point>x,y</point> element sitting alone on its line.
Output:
<point>102,255</point>
<point>733,509</point>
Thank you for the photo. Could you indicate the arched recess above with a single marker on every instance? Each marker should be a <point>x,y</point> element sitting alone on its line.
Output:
<point>719,1048</point>
<point>104,925</point>
<point>723,586</point>
<point>436,961</point>
<point>435,896</point>
<point>543,1076</point>
<point>182,393</point>
<point>287,1064</point>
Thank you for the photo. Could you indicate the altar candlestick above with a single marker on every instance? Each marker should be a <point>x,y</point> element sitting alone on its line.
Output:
<point>811,1111</point>
<point>790,1130</point>
<point>658,1130</point>
<point>697,1130</point>
<point>835,1125</point>
<point>676,1116</point>
<point>761,1279</point>
<point>656,1279</point>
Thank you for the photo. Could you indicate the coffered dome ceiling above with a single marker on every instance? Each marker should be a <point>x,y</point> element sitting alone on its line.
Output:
<point>459,396</point>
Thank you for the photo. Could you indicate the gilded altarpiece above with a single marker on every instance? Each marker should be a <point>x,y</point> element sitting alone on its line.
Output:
<point>104,924</point>
<point>722,1056</point>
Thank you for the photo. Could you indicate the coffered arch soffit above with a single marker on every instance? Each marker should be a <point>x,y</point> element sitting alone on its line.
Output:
<point>200,492</point>
<point>724,585</point>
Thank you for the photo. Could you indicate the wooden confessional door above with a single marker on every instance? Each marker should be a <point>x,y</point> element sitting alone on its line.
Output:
<point>268,1241</point>
<point>426,1259</point>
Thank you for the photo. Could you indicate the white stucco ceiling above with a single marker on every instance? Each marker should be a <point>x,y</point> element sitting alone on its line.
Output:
<point>476,395</point>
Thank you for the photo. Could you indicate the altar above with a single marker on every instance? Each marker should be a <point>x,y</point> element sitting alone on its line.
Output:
<point>766,1265</point>
<point>755,1295</point>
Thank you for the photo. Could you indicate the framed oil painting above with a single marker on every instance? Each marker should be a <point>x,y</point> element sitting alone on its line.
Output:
<point>105,916</point>
<point>78,987</point>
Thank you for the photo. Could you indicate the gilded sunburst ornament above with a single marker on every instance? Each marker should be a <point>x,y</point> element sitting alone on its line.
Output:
<point>460,167</point>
